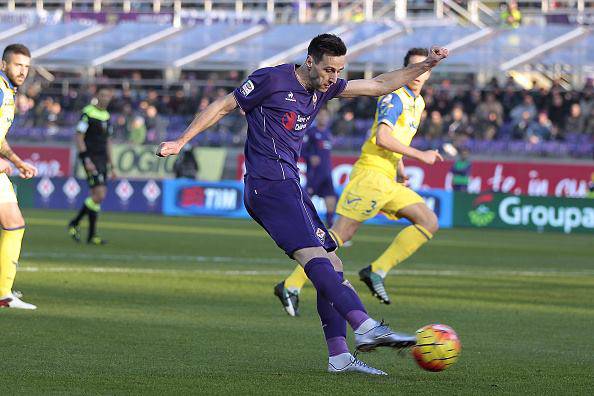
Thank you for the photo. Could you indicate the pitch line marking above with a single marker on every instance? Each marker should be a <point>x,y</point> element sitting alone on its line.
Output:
<point>257,233</point>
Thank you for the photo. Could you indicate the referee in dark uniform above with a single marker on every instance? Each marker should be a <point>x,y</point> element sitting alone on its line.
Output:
<point>93,133</point>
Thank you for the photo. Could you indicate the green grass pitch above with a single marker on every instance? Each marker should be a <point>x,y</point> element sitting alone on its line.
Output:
<point>185,306</point>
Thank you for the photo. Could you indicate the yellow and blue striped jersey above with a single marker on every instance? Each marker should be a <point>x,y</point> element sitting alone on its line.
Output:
<point>7,105</point>
<point>402,111</point>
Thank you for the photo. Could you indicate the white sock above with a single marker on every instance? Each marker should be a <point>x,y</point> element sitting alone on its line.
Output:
<point>293,290</point>
<point>381,273</point>
<point>366,326</point>
<point>340,361</point>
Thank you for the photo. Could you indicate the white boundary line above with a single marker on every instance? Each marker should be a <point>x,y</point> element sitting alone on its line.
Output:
<point>237,260</point>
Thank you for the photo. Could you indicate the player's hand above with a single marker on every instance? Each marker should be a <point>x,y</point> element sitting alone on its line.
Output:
<point>166,149</point>
<point>436,55</point>
<point>430,157</point>
<point>89,165</point>
<point>26,170</point>
<point>5,167</point>
<point>404,179</point>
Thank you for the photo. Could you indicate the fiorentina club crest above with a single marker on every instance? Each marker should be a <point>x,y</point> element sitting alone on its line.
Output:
<point>315,99</point>
<point>321,235</point>
<point>45,188</point>
<point>124,190</point>
<point>71,189</point>
<point>151,191</point>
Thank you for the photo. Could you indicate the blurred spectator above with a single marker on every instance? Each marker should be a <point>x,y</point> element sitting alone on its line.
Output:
<point>458,126</point>
<point>557,110</point>
<point>23,105</point>
<point>345,126</point>
<point>434,126</point>
<point>589,128</point>
<point>520,127</point>
<point>575,122</point>
<point>540,129</point>
<point>510,15</point>
<point>155,125</point>
<point>54,118</point>
<point>137,130</point>
<point>526,107</point>
<point>490,110</point>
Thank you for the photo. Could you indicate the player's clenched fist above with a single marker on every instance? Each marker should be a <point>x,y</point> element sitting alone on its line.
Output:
<point>26,170</point>
<point>430,157</point>
<point>437,54</point>
<point>169,148</point>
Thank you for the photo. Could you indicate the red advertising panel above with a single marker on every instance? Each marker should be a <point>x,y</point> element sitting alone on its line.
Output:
<point>525,178</point>
<point>50,161</point>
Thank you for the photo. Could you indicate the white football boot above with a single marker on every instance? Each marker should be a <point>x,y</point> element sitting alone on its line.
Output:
<point>12,301</point>
<point>346,362</point>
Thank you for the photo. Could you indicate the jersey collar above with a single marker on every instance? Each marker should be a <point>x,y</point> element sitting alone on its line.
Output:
<point>5,77</point>
<point>410,92</point>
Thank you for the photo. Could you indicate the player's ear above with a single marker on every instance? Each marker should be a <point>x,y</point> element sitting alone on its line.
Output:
<point>309,62</point>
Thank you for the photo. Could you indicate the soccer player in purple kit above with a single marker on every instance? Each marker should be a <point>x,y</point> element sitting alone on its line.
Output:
<point>280,103</point>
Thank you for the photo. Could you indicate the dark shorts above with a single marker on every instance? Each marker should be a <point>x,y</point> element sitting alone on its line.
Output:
<point>99,177</point>
<point>285,211</point>
<point>322,188</point>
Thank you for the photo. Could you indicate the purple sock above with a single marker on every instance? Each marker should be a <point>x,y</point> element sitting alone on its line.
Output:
<point>337,346</point>
<point>329,284</point>
<point>334,325</point>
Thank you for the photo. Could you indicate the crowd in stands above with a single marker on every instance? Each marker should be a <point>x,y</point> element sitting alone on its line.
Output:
<point>461,115</point>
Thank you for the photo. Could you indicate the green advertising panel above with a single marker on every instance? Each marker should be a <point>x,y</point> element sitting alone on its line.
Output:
<point>24,189</point>
<point>137,162</point>
<point>524,212</point>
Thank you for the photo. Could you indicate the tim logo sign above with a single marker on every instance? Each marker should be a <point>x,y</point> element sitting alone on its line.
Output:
<point>210,198</point>
<point>193,198</point>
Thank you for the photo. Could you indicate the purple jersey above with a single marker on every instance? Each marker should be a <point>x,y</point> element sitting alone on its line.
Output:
<point>278,111</point>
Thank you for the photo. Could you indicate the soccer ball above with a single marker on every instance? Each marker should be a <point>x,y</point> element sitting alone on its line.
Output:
<point>437,348</point>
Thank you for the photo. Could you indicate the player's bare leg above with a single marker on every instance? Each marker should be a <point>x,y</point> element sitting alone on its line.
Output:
<point>409,240</point>
<point>13,228</point>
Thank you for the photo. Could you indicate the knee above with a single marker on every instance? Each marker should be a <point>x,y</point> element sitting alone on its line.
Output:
<point>336,263</point>
<point>98,195</point>
<point>14,224</point>
<point>430,222</point>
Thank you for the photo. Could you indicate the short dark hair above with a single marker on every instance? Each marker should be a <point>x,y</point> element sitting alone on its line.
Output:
<point>15,49</point>
<point>413,52</point>
<point>326,44</point>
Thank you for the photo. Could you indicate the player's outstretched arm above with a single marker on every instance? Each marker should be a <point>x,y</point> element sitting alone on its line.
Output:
<point>391,81</point>
<point>385,140</point>
<point>204,120</point>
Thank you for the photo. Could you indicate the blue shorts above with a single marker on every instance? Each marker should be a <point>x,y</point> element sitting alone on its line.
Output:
<point>285,211</point>
<point>322,188</point>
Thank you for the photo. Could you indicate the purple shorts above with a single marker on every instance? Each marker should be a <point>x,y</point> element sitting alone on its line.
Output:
<point>322,188</point>
<point>285,211</point>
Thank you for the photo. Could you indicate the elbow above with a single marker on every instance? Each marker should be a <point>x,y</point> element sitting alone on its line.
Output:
<point>380,140</point>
